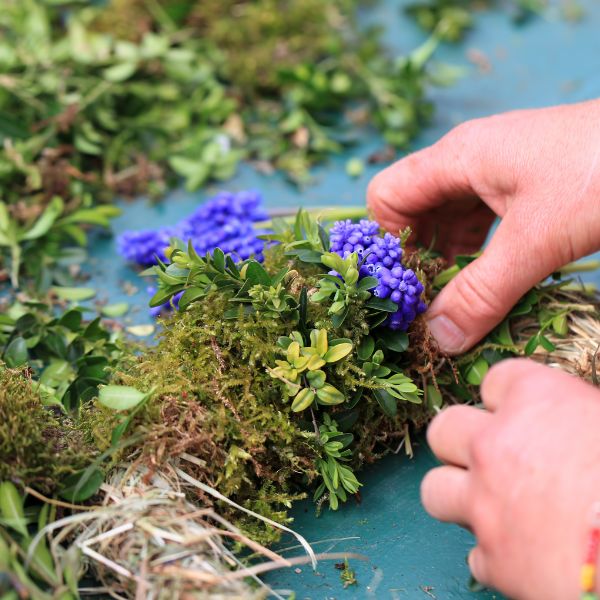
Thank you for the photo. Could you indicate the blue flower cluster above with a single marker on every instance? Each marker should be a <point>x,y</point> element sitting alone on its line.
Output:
<point>381,257</point>
<point>225,221</point>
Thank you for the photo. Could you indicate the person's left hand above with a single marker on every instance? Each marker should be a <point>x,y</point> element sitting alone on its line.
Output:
<point>522,476</point>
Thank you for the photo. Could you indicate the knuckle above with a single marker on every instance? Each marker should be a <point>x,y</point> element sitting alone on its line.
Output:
<point>482,452</point>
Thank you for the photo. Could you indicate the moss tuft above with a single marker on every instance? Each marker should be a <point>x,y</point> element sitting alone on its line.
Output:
<point>39,445</point>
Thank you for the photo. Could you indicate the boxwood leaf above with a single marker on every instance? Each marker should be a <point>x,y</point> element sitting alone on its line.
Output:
<point>119,397</point>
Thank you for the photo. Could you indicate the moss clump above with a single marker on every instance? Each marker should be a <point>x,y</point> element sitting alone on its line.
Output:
<point>39,445</point>
<point>215,400</point>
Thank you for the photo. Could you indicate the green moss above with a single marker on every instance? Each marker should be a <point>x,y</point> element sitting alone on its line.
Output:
<point>39,445</point>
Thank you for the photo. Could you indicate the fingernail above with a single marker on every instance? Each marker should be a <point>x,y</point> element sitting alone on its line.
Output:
<point>448,334</point>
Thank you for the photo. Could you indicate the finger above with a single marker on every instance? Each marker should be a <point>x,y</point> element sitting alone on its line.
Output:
<point>521,379</point>
<point>482,293</point>
<point>478,565</point>
<point>451,432</point>
<point>501,380</point>
<point>419,183</point>
<point>444,494</point>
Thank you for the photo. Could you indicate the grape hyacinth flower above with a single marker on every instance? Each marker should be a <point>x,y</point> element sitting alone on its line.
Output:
<point>225,221</point>
<point>380,256</point>
<point>142,247</point>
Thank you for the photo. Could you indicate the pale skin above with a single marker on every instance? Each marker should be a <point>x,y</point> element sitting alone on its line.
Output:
<point>524,474</point>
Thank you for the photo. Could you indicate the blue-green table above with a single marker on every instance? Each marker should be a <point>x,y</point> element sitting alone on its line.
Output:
<point>546,61</point>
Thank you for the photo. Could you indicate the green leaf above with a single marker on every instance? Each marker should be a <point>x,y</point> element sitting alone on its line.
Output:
<point>316,378</point>
<point>74,294</point>
<point>338,320</point>
<point>11,508</point>
<point>397,341</point>
<point>16,353</point>
<point>119,397</point>
<point>532,344</point>
<point>367,283</point>
<point>434,397</point>
<point>560,325</point>
<point>218,258</point>
<point>337,352</point>
<point>321,343</point>
<point>304,398</point>
<point>547,344</point>
<point>81,486</point>
<point>257,275</point>
<point>190,295</point>
<point>46,220</point>
<point>329,395</point>
<point>115,310</point>
<point>385,305</point>
<point>503,334</point>
<point>71,319</point>
<point>141,330</point>
<point>476,372</point>
<point>388,403</point>
<point>365,348</point>
<point>120,72</point>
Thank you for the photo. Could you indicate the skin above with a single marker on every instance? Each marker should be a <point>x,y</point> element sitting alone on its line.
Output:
<point>537,169</point>
<point>524,474</point>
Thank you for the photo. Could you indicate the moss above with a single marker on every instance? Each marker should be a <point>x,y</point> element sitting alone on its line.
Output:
<point>39,445</point>
<point>216,401</point>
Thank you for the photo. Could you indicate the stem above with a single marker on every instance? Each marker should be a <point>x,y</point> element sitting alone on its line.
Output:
<point>328,214</point>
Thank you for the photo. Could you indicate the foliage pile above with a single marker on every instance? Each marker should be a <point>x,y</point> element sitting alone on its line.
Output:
<point>452,18</point>
<point>130,97</point>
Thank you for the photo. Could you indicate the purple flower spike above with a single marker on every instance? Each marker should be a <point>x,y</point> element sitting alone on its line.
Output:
<point>380,256</point>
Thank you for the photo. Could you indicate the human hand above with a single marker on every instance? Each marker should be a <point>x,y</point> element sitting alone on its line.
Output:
<point>537,169</point>
<point>522,476</point>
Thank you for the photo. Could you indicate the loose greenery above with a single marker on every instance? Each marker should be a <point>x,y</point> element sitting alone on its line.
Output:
<point>128,98</point>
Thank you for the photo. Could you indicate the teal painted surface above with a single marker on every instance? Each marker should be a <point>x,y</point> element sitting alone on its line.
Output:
<point>547,61</point>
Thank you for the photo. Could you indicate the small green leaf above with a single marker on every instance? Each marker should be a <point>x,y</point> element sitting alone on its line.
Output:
<point>385,305</point>
<point>46,220</point>
<point>434,397</point>
<point>119,397</point>
<point>532,344</point>
<point>397,341</point>
<point>141,330</point>
<point>321,343</point>
<point>503,334</point>
<point>547,344</point>
<point>367,283</point>
<point>388,403</point>
<point>74,294</point>
<point>365,348</point>
<point>256,274</point>
<point>316,378</point>
<point>120,72</point>
<point>11,507</point>
<point>476,372</point>
<point>115,310</point>
<point>16,353</point>
<point>329,395</point>
<point>82,485</point>
<point>304,398</point>
<point>560,325</point>
<point>337,352</point>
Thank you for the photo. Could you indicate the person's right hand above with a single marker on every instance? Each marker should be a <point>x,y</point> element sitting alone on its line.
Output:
<point>537,169</point>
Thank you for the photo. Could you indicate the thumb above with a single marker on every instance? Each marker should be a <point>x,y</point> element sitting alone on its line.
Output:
<point>485,291</point>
